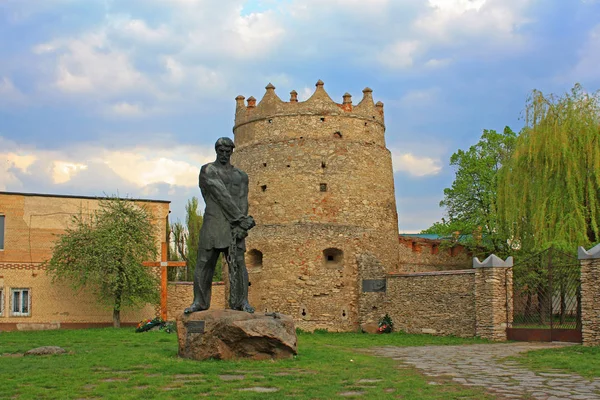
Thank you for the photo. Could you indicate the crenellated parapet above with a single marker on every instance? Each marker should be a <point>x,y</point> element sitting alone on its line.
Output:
<point>318,104</point>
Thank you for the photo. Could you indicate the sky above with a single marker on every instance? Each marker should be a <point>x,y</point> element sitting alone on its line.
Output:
<point>127,97</point>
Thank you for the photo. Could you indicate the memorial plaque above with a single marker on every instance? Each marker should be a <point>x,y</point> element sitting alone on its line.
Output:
<point>373,285</point>
<point>195,327</point>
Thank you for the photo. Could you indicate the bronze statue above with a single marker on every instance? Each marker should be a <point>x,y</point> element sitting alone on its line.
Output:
<point>225,226</point>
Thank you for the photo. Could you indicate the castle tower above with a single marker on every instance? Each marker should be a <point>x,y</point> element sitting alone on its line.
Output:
<point>322,194</point>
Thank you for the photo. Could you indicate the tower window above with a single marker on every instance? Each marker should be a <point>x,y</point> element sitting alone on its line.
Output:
<point>323,187</point>
<point>264,164</point>
<point>254,258</point>
<point>322,119</point>
<point>263,188</point>
<point>323,165</point>
<point>333,257</point>
<point>337,135</point>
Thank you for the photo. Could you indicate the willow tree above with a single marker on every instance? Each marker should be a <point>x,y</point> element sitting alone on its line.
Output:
<point>549,190</point>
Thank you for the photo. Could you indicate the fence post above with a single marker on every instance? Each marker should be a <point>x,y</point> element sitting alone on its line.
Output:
<point>590,295</point>
<point>493,297</point>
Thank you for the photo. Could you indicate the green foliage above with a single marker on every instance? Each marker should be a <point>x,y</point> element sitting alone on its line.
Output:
<point>549,192</point>
<point>117,364</point>
<point>471,200</point>
<point>185,239</point>
<point>104,252</point>
<point>386,325</point>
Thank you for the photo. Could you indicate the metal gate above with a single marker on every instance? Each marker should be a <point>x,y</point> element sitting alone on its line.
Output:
<point>546,298</point>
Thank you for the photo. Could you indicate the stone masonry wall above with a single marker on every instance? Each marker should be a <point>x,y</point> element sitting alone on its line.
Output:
<point>590,301</point>
<point>493,307</point>
<point>440,303</point>
<point>181,294</point>
<point>321,190</point>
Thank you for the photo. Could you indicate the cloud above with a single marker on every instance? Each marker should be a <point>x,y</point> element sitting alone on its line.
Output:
<point>420,97</point>
<point>589,58</point>
<point>126,109</point>
<point>9,93</point>
<point>140,165</point>
<point>400,54</point>
<point>416,166</point>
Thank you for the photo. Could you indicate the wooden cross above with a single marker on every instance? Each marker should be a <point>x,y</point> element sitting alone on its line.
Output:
<point>163,264</point>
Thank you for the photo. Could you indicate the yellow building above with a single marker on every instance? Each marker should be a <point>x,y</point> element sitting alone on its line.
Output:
<point>29,225</point>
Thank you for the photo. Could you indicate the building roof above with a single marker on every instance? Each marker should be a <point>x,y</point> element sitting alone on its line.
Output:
<point>69,196</point>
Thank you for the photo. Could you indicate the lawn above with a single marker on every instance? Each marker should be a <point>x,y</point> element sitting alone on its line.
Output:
<point>584,361</point>
<point>118,363</point>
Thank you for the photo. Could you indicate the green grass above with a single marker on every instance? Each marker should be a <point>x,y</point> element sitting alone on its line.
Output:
<point>120,364</point>
<point>584,361</point>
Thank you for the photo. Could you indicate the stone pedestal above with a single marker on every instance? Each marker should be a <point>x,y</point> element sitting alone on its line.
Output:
<point>229,334</point>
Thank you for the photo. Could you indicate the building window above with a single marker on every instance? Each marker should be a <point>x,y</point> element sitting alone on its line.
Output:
<point>1,302</point>
<point>2,232</point>
<point>21,302</point>
<point>323,187</point>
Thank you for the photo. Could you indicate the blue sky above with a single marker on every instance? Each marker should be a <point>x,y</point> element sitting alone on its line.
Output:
<point>105,96</point>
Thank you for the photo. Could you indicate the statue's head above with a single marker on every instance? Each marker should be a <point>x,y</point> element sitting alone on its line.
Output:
<point>224,147</point>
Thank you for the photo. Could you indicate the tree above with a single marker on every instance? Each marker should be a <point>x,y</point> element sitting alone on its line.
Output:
<point>549,192</point>
<point>104,252</point>
<point>471,200</point>
<point>185,238</point>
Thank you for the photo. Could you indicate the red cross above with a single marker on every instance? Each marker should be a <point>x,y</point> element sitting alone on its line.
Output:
<point>163,264</point>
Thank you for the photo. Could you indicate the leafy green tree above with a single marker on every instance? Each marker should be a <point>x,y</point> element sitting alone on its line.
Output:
<point>471,200</point>
<point>185,239</point>
<point>104,252</point>
<point>549,193</point>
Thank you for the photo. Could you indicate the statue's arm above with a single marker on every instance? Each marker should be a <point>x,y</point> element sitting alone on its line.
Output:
<point>244,194</point>
<point>213,186</point>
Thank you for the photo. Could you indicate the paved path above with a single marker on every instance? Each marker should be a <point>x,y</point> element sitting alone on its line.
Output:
<point>482,365</point>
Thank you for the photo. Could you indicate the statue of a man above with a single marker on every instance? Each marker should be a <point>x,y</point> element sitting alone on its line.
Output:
<point>225,226</point>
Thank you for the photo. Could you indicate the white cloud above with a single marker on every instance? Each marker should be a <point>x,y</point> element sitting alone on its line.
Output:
<point>400,54</point>
<point>9,93</point>
<point>416,166</point>
<point>588,65</point>
<point>140,166</point>
<point>126,109</point>
<point>437,62</point>
<point>420,97</point>
<point>305,93</point>
<point>451,21</point>
<point>64,171</point>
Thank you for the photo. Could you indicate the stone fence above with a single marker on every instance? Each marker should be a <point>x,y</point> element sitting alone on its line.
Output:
<point>590,295</point>
<point>466,303</point>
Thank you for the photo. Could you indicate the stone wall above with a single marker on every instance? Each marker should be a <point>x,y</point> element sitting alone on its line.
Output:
<point>417,254</point>
<point>181,294</point>
<point>440,303</point>
<point>493,297</point>
<point>321,190</point>
<point>590,295</point>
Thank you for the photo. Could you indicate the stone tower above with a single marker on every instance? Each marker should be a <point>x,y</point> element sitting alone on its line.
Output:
<point>322,194</point>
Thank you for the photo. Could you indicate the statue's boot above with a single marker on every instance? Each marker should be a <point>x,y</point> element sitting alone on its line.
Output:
<point>193,308</point>
<point>247,308</point>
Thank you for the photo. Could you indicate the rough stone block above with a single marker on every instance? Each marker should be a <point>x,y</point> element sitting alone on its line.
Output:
<point>229,334</point>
